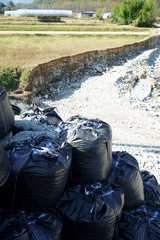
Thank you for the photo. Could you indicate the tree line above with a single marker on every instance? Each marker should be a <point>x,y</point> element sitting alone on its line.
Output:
<point>74,5</point>
<point>136,12</point>
<point>140,13</point>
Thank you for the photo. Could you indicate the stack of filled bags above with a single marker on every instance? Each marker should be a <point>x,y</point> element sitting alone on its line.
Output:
<point>6,116</point>
<point>66,183</point>
<point>33,175</point>
<point>136,212</point>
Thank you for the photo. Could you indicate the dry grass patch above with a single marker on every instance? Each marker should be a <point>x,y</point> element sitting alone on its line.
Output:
<point>68,24</point>
<point>29,51</point>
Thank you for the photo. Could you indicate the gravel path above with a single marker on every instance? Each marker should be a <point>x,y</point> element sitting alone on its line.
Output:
<point>135,122</point>
<point>71,33</point>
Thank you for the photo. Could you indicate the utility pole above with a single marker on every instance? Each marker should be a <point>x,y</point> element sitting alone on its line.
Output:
<point>25,11</point>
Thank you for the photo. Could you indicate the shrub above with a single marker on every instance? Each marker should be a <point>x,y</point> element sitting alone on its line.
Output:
<point>2,7</point>
<point>9,77</point>
<point>138,12</point>
<point>48,19</point>
<point>24,76</point>
<point>99,14</point>
<point>146,17</point>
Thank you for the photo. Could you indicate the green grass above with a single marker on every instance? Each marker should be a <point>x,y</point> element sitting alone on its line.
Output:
<point>9,77</point>
<point>32,24</point>
<point>28,27</point>
<point>20,53</point>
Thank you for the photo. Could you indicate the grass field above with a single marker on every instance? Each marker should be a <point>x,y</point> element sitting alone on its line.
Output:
<point>69,24</point>
<point>25,51</point>
<point>19,53</point>
<point>53,27</point>
<point>28,51</point>
<point>65,27</point>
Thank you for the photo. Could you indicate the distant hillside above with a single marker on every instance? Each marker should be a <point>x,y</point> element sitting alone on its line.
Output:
<point>75,5</point>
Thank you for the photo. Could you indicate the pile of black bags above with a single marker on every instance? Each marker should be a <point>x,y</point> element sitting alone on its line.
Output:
<point>71,186</point>
<point>48,116</point>
<point>140,224</point>
<point>4,166</point>
<point>6,114</point>
<point>151,191</point>
<point>39,172</point>
<point>46,224</point>
<point>91,211</point>
<point>91,140</point>
<point>128,176</point>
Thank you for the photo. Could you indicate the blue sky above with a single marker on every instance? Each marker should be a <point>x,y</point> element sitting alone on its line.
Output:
<point>17,1</point>
<point>22,1</point>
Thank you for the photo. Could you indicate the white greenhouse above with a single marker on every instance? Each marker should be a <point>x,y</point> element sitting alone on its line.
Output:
<point>38,13</point>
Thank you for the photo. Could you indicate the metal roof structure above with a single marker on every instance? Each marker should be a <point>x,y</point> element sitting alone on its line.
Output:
<point>86,14</point>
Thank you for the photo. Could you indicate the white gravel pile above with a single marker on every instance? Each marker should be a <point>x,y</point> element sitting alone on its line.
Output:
<point>29,135</point>
<point>32,128</point>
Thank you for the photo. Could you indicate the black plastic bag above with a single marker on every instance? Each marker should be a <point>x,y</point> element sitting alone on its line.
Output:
<point>48,115</point>
<point>140,224</point>
<point>16,130</point>
<point>91,140</point>
<point>39,172</point>
<point>4,166</point>
<point>151,191</point>
<point>6,113</point>
<point>16,110</point>
<point>91,212</point>
<point>4,195</point>
<point>128,176</point>
<point>44,225</point>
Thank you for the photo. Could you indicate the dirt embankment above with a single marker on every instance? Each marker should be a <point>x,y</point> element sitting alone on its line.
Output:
<point>43,78</point>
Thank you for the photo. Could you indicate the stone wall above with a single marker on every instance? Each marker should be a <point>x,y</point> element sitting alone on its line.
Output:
<point>44,78</point>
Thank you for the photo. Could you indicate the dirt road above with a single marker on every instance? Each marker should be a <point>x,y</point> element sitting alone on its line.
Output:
<point>71,33</point>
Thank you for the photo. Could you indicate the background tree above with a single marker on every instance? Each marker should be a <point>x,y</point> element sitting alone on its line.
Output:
<point>146,16</point>
<point>75,5</point>
<point>157,7</point>
<point>99,14</point>
<point>10,6</point>
<point>2,7</point>
<point>136,12</point>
